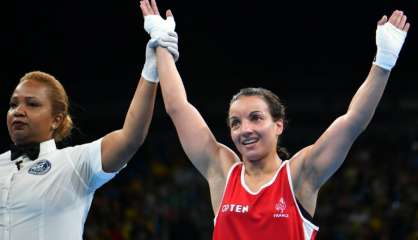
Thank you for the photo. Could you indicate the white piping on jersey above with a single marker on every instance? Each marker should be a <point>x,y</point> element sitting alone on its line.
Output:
<point>309,224</point>
<point>271,181</point>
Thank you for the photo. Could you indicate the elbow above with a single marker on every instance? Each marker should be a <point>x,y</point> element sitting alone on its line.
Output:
<point>360,129</point>
<point>357,123</point>
<point>134,143</point>
<point>137,144</point>
<point>173,108</point>
<point>170,109</point>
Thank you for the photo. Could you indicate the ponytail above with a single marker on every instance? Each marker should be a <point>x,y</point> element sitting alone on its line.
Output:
<point>283,153</point>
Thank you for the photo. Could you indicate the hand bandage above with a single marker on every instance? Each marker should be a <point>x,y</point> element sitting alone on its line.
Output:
<point>166,40</point>
<point>170,41</point>
<point>155,25</point>
<point>158,29</point>
<point>389,41</point>
<point>149,71</point>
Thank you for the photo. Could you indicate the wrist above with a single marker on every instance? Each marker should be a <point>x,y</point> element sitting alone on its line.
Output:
<point>385,59</point>
<point>149,70</point>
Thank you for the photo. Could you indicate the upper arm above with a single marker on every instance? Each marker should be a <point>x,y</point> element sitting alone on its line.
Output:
<point>195,136</point>
<point>87,161</point>
<point>199,143</point>
<point>116,151</point>
<point>322,159</point>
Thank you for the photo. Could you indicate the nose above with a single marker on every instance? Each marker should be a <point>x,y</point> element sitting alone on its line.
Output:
<point>246,128</point>
<point>19,111</point>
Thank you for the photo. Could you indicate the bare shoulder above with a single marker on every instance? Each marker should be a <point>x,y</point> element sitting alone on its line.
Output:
<point>218,174</point>
<point>226,157</point>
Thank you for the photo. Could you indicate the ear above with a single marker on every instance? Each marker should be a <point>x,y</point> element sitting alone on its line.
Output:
<point>279,127</point>
<point>57,121</point>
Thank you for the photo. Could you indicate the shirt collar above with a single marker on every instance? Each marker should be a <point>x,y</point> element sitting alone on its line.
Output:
<point>47,147</point>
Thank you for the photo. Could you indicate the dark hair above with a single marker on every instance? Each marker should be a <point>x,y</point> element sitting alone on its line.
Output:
<point>276,108</point>
<point>58,98</point>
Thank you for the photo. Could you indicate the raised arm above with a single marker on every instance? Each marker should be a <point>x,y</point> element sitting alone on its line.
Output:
<point>195,136</point>
<point>207,155</point>
<point>119,146</point>
<point>316,163</point>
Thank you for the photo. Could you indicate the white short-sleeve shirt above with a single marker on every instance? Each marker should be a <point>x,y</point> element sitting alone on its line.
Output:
<point>49,198</point>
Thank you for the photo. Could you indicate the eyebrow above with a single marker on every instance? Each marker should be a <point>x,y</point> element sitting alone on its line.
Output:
<point>26,98</point>
<point>251,113</point>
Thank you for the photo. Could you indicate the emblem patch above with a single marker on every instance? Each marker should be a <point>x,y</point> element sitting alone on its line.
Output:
<point>281,207</point>
<point>40,168</point>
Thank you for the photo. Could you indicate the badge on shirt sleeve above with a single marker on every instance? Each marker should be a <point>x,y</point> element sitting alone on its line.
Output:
<point>40,168</point>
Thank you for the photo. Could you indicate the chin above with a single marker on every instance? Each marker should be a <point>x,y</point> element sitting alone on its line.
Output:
<point>252,156</point>
<point>19,139</point>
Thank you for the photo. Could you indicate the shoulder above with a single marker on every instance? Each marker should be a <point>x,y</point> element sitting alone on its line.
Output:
<point>84,151</point>
<point>227,159</point>
<point>297,162</point>
<point>83,147</point>
<point>5,156</point>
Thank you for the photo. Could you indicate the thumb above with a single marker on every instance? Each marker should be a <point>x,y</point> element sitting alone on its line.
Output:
<point>170,20</point>
<point>383,20</point>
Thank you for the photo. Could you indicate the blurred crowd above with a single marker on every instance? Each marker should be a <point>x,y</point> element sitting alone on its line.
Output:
<point>373,196</point>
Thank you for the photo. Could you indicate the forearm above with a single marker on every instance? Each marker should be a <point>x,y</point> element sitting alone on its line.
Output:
<point>367,97</point>
<point>174,94</point>
<point>138,118</point>
<point>119,146</point>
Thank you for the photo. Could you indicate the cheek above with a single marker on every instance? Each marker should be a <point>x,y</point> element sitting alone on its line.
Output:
<point>43,122</point>
<point>42,115</point>
<point>269,135</point>
<point>38,122</point>
<point>234,137</point>
<point>9,118</point>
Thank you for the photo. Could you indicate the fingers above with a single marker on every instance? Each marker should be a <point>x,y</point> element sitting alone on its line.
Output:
<point>174,52</point>
<point>394,17</point>
<point>144,8</point>
<point>170,19</point>
<point>167,44</point>
<point>402,22</point>
<point>173,34</point>
<point>149,7</point>
<point>171,37</point>
<point>406,28</point>
<point>383,20</point>
<point>154,7</point>
<point>399,20</point>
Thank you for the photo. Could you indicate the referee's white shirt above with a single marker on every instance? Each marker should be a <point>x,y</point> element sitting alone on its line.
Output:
<point>49,198</point>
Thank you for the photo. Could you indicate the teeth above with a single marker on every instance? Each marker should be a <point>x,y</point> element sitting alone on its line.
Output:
<point>249,141</point>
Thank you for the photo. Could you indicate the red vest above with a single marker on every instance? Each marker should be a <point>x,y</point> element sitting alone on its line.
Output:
<point>270,213</point>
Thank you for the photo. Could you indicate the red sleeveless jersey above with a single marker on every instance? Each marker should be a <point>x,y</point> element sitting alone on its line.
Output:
<point>270,213</point>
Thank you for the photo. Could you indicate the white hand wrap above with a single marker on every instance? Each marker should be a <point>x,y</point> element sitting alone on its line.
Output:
<point>170,41</point>
<point>389,41</point>
<point>167,40</point>
<point>149,71</point>
<point>155,25</point>
<point>160,31</point>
